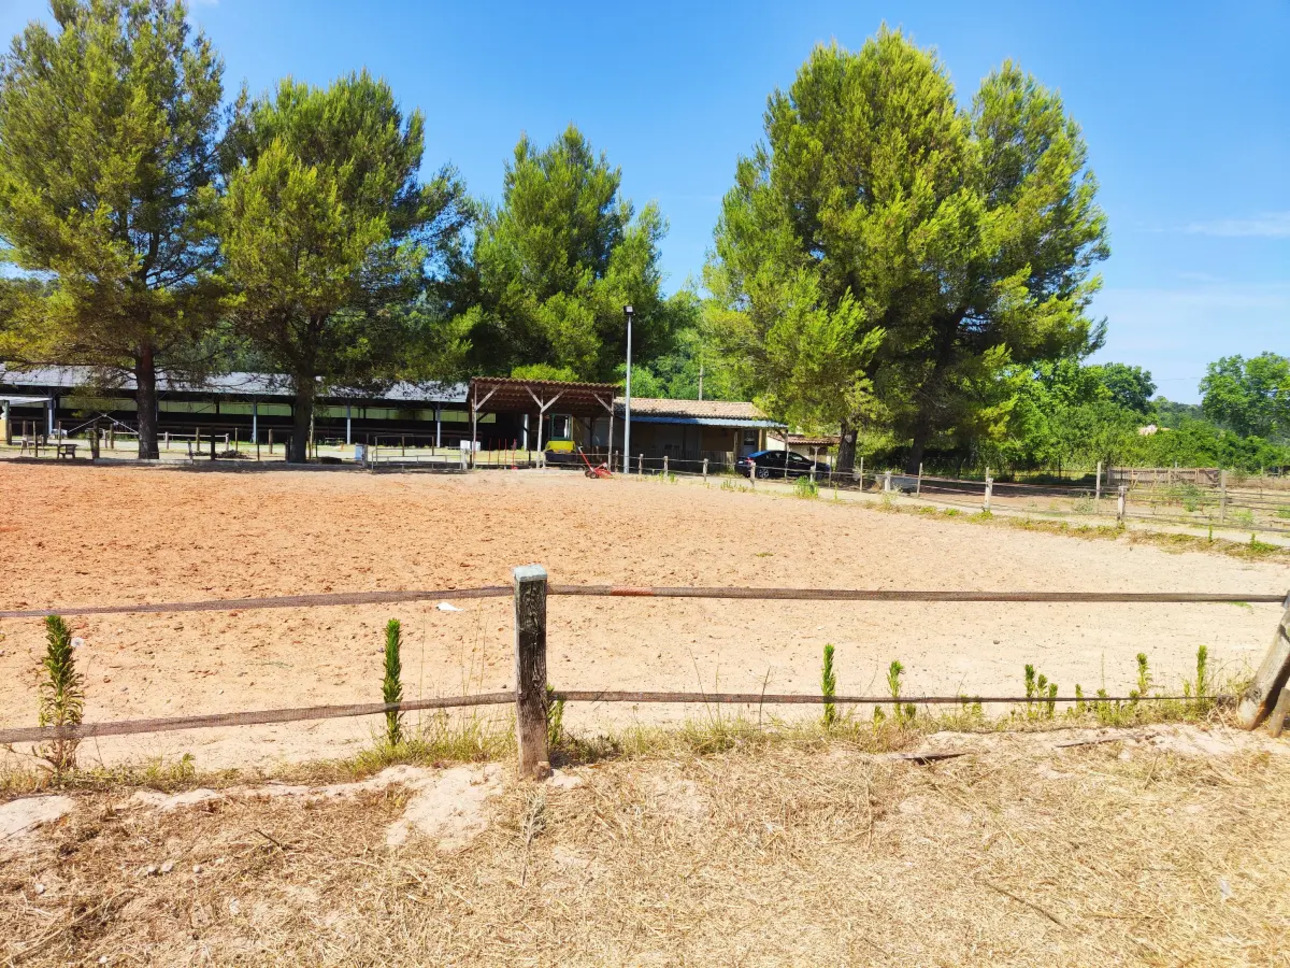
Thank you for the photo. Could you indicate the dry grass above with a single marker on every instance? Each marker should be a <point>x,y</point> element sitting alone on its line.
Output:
<point>799,851</point>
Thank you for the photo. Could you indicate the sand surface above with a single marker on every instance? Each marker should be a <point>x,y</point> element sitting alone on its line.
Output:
<point>104,535</point>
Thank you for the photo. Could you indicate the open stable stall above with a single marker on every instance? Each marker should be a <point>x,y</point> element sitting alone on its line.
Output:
<point>557,406</point>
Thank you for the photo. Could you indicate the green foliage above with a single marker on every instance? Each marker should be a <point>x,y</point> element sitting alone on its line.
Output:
<point>108,129</point>
<point>829,686</point>
<point>392,684</point>
<point>1144,677</point>
<point>62,695</point>
<point>555,264</point>
<point>326,234</point>
<point>904,712</point>
<point>554,720</point>
<point>1040,695</point>
<point>886,255</point>
<point>804,487</point>
<point>1252,396</point>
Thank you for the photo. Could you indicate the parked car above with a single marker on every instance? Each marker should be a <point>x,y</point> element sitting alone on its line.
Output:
<point>780,463</point>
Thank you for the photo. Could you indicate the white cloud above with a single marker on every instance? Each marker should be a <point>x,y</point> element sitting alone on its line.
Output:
<point>1266,225</point>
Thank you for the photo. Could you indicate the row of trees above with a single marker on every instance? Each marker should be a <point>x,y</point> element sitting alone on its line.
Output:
<point>155,229</point>
<point>914,273</point>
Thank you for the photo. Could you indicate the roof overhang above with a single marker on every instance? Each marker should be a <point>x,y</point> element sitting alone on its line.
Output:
<point>741,422</point>
<point>22,401</point>
<point>494,394</point>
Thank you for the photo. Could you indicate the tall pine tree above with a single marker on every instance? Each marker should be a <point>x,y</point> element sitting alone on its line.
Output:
<point>108,146</point>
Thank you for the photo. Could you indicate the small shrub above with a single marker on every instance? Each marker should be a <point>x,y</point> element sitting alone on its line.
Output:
<point>62,695</point>
<point>804,487</point>
<point>829,686</point>
<point>904,712</point>
<point>1040,695</point>
<point>1084,505</point>
<point>554,720</point>
<point>1243,517</point>
<point>392,685</point>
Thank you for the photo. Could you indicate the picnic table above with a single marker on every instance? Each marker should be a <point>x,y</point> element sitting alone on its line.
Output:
<point>63,449</point>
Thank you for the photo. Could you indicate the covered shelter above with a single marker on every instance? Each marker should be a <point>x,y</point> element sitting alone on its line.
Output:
<point>556,403</point>
<point>807,445</point>
<point>692,431</point>
<point>7,401</point>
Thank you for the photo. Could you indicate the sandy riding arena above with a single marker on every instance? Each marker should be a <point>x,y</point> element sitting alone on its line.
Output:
<point>99,535</point>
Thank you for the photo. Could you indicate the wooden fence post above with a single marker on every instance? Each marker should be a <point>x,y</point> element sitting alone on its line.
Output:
<point>1097,493</point>
<point>640,465</point>
<point>886,482</point>
<point>918,488</point>
<point>665,465</point>
<point>989,492</point>
<point>1271,679</point>
<point>1120,503</point>
<point>1222,496</point>
<point>859,476</point>
<point>530,670</point>
<point>705,470</point>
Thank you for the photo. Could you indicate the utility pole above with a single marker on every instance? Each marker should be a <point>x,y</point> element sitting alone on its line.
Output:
<point>627,408</point>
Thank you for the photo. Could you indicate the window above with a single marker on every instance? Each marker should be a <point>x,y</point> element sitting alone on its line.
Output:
<point>750,438</point>
<point>561,426</point>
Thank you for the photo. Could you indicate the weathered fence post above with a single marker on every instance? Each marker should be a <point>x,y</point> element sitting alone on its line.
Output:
<point>705,470</point>
<point>530,670</point>
<point>918,488</point>
<point>1097,488</point>
<point>886,482</point>
<point>859,476</point>
<point>752,474</point>
<point>665,465</point>
<point>1120,503</point>
<point>1271,679</point>
<point>989,493</point>
<point>1222,496</point>
<point>640,464</point>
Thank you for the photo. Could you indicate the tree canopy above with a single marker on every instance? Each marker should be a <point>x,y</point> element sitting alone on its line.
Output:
<point>108,138</point>
<point>554,265</point>
<point>1252,396</point>
<point>930,248</point>
<point>328,236</point>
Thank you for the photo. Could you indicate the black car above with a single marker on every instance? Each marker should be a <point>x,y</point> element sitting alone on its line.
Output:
<point>780,464</point>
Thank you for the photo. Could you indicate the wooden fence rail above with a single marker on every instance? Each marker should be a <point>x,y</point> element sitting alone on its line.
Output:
<point>533,695</point>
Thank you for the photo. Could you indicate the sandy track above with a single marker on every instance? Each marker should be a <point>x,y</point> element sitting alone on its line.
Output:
<point>106,535</point>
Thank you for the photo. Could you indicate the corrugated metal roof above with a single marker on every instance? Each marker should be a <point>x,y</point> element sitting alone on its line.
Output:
<point>699,421</point>
<point>230,384</point>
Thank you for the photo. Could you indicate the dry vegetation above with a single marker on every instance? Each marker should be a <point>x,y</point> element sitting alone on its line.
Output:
<point>1165,846</point>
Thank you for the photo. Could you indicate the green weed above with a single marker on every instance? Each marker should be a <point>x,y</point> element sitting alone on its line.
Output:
<point>392,684</point>
<point>62,695</point>
<point>829,686</point>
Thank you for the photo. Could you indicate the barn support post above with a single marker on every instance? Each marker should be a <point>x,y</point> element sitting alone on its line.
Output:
<point>255,423</point>
<point>438,426</point>
<point>530,671</point>
<point>6,426</point>
<point>349,424</point>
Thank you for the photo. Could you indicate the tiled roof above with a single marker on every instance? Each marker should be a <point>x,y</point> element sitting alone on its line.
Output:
<point>715,409</point>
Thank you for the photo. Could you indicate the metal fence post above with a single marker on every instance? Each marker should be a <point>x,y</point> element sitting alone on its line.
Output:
<point>530,670</point>
<point>1120,503</point>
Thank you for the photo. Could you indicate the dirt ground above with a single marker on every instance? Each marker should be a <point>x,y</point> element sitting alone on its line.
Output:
<point>1165,846</point>
<point>102,535</point>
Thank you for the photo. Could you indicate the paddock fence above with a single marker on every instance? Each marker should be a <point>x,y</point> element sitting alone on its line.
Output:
<point>532,694</point>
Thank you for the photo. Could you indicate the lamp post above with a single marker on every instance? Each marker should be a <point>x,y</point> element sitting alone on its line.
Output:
<point>627,408</point>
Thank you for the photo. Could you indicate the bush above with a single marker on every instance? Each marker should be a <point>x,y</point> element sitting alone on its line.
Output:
<point>62,694</point>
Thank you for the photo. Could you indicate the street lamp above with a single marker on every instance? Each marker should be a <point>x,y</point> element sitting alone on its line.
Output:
<point>627,408</point>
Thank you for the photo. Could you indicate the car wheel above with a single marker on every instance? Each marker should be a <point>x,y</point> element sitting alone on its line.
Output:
<point>763,473</point>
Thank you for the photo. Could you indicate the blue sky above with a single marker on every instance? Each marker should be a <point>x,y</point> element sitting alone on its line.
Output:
<point>1185,106</point>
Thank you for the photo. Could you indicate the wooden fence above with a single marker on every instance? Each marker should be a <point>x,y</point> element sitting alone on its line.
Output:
<point>1268,694</point>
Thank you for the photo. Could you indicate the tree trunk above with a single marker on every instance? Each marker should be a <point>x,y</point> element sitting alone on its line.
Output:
<point>302,412</point>
<point>922,433</point>
<point>846,449</point>
<point>145,380</point>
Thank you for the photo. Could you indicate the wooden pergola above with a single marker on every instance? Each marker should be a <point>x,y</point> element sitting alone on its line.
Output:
<point>496,394</point>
